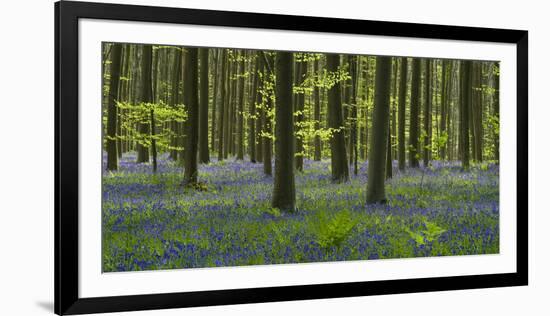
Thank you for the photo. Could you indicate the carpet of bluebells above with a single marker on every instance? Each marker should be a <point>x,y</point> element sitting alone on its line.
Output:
<point>151,221</point>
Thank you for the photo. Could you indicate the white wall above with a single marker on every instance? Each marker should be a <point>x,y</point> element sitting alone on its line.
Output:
<point>26,212</point>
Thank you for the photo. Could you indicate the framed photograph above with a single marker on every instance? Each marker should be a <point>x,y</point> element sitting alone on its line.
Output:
<point>211,158</point>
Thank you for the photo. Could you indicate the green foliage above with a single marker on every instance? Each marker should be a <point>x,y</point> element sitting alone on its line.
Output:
<point>333,230</point>
<point>131,115</point>
<point>428,232</point>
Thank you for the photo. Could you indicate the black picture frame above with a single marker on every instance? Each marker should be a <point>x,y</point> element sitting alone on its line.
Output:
<point>67,15</point>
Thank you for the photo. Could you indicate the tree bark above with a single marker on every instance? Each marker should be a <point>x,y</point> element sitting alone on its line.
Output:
<point>340,172</point>
<point>112,154</point>
<point>414,117</point>
<point>240,109</point>
<point>146,96</point>
<point>465,104</point>
<point>300,101</point>
<point>380,128</point>
<point>204,153</point>
<point>252,111</point>
<point>222,104</point>
<point>174,101</point>
<point>317,112</point>
<point>284,195</point>
<point>401,113</point>
<point>190,93</point>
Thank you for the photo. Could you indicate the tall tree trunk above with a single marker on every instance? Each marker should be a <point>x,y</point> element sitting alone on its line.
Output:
<point>284,195</point>
<point>414,117</point>
<point>353,61</point>
<point>268,129</point>
<point>228,104</point>
<point>240,109</point>
<point>367,100</point>
<point>317,112</point>
<point>340,172</point>
<point>465,105</point>
<point>204,153</point>
<point>146,97</point>
<point>478,111</point>
<point>380,127</point>
<point>300,101</point>
<point>190,94</point>
<point>215,99</point>
<point>393,96</point>
<point>252,111</point>
<point>112,154</point>
<point>401,113</point>
<point>174,101</point>
<point>427,113</point>
<point>260,111</point>
<point>153,134</point>
<point>222,105</point>
<point>444,98</point>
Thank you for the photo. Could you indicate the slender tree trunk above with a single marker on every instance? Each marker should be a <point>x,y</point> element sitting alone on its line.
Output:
<point>146,97</point>
<point>300,101</point>
<point>414,117</point>
<point>393,93</point>
<point>353,61</point>
<point>215,98</point>
<point>260,111</point>
<point>465,104</point>
<point>444,97</point>
<point>222,105</point>
<point>401,113</point>
<point>380,128</point>
<point>153,134</point>
<point>112,154</point>
<point>340,172</point>
<point>204,153</point>
<point>284,195</point>
<point>427,113</point>
<point>252,111</point>
<point>240,109</point>
<point>174,101</point>
<point>268,147</point>
<point>367,114</point>
<point>317,112</point>
<point>227,108</point>
<point>190,93</point>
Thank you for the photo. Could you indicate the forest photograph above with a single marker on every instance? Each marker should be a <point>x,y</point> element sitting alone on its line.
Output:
<point>219,157</point>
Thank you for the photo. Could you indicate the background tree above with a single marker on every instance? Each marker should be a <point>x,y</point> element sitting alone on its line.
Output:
<point>427,143</point>
<point>252,112</point>
<point>354,73</point>
<point>175,99</point>
<point>317,111</point>
<point>267,97</point>
<point>221,104</point>
<point>340,172</point>
<point>190,94</point>
<point>204,153</point>
<point>112,154</point>
<point>146,96</point>
<point>240,107</point>
<point>300,71</point>
<point>401,113</point>
<point>376,171</point>
<point>414,115</point>
<point>284,195</point>
<point>465,104</point>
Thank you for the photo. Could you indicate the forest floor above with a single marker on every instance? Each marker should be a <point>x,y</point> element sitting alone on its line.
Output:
<point>150,221</point>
